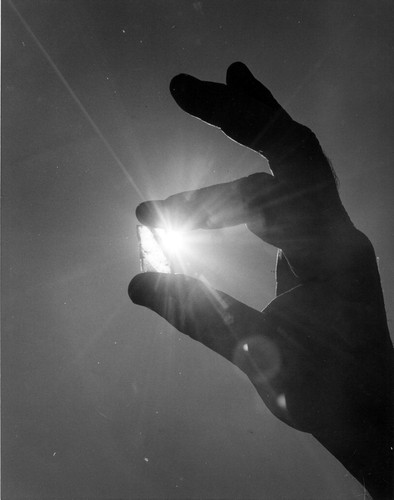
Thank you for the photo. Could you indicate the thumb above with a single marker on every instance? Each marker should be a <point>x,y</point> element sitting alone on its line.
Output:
<point>209,316</point>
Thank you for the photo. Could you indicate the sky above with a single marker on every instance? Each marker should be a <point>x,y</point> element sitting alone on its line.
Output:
<point>102,399</point>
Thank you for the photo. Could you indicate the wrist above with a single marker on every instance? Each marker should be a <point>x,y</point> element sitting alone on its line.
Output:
<point>368,456</point>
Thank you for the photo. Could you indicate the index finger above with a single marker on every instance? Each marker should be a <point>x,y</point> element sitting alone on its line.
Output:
<point>213,207</point>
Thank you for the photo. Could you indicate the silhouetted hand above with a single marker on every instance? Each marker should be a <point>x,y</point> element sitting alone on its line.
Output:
<point>319,354</point>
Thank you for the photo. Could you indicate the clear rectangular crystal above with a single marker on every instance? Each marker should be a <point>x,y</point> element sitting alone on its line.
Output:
<point>152,256</point>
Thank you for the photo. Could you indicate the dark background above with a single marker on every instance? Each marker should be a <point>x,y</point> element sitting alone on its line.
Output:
<point>102,399</point>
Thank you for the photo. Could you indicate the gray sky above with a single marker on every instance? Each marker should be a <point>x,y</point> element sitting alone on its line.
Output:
<point>102,399</point>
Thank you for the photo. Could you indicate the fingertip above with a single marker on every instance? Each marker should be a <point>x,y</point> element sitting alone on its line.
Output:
<point>237,72</point>
<point>181,85</point>
<point>142,212</point>
<point>148,213</point>
<point>176,82</point>
<point>139,212</point>
<point>136,287</point>
<point>144,287</point>
<point>237,66</point>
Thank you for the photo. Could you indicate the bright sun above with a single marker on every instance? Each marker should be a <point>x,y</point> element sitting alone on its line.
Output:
<point>172,241</point>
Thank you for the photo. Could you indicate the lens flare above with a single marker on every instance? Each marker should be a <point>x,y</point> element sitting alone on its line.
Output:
<point>159,248</point>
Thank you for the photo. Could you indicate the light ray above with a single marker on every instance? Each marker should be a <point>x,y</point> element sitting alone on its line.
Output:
<point>77,101</point>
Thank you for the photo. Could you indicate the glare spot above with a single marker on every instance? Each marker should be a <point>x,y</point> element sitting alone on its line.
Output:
<point>146,459</point>
<point>171,240</point>
<point>228,318</point>
<point>281,401</point>
<point>259,358</point>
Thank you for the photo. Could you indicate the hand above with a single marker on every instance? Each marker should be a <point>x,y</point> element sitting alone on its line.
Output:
<point>319,354</point>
